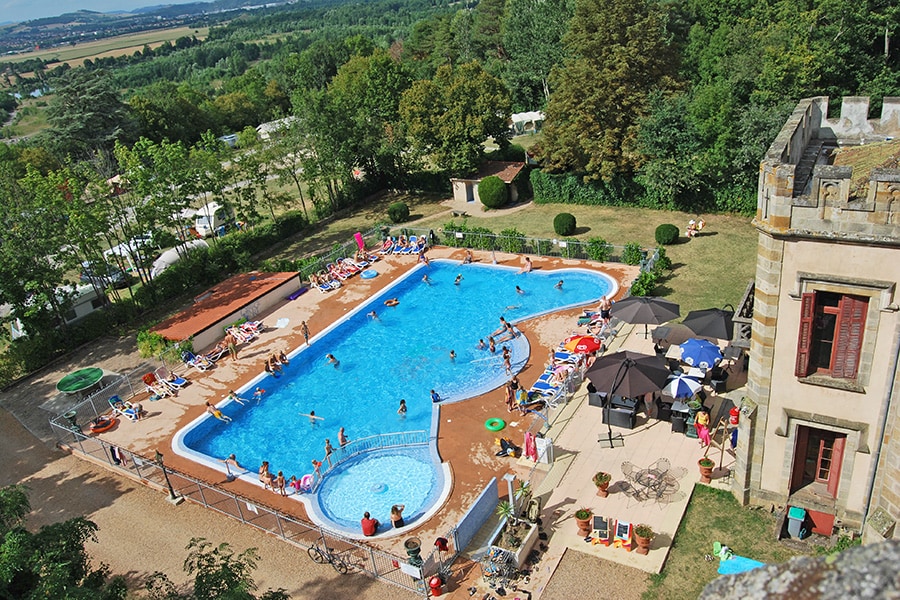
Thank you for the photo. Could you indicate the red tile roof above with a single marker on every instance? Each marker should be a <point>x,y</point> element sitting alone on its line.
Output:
<point>220,301</point>
<point>506,171</point>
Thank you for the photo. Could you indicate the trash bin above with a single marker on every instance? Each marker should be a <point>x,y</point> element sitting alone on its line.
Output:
<point>796,516</point>
<point>72,418</point>
<point>435,584</point>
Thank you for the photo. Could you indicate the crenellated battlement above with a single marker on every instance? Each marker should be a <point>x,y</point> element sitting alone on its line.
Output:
<point>802,193</point>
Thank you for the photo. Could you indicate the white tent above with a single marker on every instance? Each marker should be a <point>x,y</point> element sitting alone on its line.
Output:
<point>520,120</point>
<point>170,257</point>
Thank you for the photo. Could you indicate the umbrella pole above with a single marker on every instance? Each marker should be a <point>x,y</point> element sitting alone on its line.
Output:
<point>611,440</point>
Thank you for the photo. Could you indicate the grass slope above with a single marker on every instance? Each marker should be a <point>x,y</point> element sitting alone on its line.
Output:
<point>714,515</point>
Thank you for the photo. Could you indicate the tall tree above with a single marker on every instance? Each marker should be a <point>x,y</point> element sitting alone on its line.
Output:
<point>51,563</point>
<point>87,114</point>
<point>532,40</point>
<point>618,53</point>
<point>452,115</point>
<point>366,92</point>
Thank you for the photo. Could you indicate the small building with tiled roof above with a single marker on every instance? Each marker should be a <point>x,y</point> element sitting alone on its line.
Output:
<point>465,189</point>
<point>247,296</point>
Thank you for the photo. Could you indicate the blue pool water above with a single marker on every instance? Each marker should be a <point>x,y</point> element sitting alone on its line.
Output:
<point>378,481</point>
<point>404,353</point>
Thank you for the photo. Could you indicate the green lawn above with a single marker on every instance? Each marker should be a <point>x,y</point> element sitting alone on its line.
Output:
<point>708,271</point>
<point>714,515</point>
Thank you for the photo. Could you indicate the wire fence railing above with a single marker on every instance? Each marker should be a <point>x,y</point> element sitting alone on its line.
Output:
<point>593,250</point>
<point>376,563</point>
<point>354,448</point>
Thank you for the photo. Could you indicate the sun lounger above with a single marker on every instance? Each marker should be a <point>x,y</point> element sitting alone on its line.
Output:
<point>216,353</point>
<point>242,335</point>
<point>125,409</point>
<point>170,379</point>
<point>387,247</point>
<point>201,363</point>
<point>564,356</point>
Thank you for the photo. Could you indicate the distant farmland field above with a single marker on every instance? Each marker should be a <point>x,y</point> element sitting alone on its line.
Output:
<point>114,46</point>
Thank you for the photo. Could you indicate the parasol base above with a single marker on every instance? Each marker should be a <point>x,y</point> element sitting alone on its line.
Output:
<point>610,441</point>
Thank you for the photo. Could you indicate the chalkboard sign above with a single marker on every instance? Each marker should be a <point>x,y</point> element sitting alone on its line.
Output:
<point>623,530</point>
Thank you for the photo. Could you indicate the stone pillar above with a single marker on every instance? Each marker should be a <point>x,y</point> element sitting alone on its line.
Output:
<point>752,432</point>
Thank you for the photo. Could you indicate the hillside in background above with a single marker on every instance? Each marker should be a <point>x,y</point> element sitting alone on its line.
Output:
<point>76,27</point>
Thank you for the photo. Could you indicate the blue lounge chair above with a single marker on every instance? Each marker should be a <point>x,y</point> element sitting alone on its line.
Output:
<point>170,379</point>
<point>123,408</point>
<point>198,362</point>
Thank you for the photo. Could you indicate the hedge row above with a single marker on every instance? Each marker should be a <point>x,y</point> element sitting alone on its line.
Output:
<point>570,189</point>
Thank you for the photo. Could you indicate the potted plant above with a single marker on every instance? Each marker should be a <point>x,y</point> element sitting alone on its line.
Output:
<point>514,535</point>
<point>601,480</point>
<point>706,468</point>
<point>643,535</point>
<point>583,518</point>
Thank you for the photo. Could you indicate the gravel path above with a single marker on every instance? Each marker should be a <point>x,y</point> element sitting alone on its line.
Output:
<point>585,577</point>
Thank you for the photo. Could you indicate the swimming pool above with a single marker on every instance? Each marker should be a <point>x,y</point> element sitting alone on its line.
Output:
<point>403,353</point>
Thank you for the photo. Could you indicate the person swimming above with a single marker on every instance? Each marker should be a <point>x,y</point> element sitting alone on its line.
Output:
<point>453,355</point>
<point>217,413</point>
<point>402,410</point>
<point>458,279</point>
<point>519,290</point>
<point>331,360</point>
<point>559,285</point>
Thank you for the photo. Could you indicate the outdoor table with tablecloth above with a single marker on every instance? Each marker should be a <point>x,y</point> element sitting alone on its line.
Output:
<point>80,380</point>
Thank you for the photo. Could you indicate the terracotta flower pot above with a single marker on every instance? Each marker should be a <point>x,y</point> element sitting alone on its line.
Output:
<point>643,544</point>
<point>603,489</point>
<point>705,471</point>
<point>584,525</point>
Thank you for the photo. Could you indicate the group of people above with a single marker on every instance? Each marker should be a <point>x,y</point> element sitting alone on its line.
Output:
<point>370,525</point>
<point>275,362</point>
<point>277,483</point>
<point>694,227</point>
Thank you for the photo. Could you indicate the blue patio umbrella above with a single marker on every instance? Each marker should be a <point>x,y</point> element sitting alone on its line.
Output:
<point>681,386</point>
<point>700,353</point>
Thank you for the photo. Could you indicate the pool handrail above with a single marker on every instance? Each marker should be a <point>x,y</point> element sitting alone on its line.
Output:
<point>381,441</point>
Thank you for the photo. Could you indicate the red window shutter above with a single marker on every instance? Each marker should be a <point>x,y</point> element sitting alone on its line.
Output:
<point>848,336</point>
<point>837,457</point>
<point>804,341</point>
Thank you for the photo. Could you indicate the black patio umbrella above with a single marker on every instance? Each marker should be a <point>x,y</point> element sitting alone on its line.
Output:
<point>712,322</point>
<point>645,310</point>
<point>672,334</point>
<point>629,374</point>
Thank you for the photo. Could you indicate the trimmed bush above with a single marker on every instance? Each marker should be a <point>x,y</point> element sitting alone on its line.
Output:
<point>493,192</point>
<point>663,262</point>
<point>599,249</point>
<point>644,284</point>
<point>666,234</point>
<point>564,224</point>
<point>632,254</point>
<point>398,212</point>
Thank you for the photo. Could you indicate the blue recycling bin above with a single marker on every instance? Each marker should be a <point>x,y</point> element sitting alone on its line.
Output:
<point>796,517</point>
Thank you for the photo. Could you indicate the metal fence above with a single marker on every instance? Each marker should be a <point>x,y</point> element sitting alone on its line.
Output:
<point>302,534</point>
<point>482,240</point>
<point>368,444</point>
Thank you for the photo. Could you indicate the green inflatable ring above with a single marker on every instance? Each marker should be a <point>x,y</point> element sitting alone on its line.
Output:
<point>494,424</point>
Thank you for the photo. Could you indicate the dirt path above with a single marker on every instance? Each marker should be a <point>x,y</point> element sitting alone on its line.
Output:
<point>141,533</point>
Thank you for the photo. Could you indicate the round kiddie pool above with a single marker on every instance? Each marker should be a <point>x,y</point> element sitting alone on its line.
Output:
<point>403,351</point>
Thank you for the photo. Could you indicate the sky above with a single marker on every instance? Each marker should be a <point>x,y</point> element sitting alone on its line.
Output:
<point>23,10</point>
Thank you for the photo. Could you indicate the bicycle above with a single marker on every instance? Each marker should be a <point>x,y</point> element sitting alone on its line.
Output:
<point>321,553</point>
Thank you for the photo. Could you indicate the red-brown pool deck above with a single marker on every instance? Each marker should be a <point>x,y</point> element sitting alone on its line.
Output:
<point>463,441</point>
